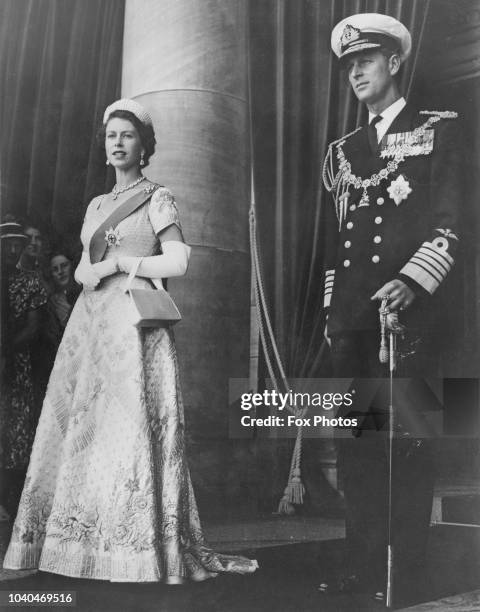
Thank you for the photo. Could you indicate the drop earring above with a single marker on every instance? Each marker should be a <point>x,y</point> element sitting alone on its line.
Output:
<point>142,161</point>
<point>107,163</point>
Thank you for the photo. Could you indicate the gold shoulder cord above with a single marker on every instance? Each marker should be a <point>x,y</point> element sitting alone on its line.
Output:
<point>341,182</point>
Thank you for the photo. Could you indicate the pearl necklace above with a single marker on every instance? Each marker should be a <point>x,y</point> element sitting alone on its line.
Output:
<point>116,192</point>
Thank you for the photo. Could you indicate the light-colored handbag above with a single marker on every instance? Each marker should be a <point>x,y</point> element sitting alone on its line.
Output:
<point>151,307</point>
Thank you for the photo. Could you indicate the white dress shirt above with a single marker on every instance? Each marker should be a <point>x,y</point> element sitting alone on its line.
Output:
<point>388,116</point>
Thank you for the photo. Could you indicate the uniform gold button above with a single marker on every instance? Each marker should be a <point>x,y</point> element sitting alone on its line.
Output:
<point>348,244</point>
<point>380,201</point>
<point>375,259</point>
<point>377,239</point>
<point>346,263</point>
<point>353,207</point>
<point>378,220</point>
<point>349,225</point>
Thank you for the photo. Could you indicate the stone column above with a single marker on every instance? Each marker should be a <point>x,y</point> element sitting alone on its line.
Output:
<point>185,61</point>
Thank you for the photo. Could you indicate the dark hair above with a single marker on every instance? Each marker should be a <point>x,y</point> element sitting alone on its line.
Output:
<point>146,133</point>
<point>27,223</point>
<point>73,290</point>
<point>60,249</point>
<point>387,51</point>
<point>58,253</point>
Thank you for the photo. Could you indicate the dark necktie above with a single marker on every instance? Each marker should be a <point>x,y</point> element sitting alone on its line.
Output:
<point>372,133</point>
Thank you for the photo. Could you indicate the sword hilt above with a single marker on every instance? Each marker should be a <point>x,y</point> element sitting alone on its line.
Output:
<point>389,325</point>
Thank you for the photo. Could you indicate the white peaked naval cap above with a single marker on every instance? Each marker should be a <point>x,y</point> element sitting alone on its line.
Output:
<point>370,31</point>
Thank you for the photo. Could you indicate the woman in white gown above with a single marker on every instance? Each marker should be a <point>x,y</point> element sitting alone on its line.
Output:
<point>108,492</point>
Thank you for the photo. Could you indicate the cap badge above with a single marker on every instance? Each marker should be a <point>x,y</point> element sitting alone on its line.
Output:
<point>349,34</point>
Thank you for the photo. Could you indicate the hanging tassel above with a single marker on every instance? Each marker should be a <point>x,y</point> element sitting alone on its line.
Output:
<point>296,487</point>
<point>285,506</point>
<point>295,490</point>
<point>293,494</point>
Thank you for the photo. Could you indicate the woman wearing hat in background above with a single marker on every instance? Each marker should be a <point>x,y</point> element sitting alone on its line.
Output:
<point>21,295</point>
<point>108,492</point>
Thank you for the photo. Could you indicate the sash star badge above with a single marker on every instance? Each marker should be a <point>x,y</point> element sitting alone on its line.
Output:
<point>112,237</point>
<point>399,189</point>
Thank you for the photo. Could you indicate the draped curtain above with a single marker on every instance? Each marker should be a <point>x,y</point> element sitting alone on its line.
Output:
<point>301,101</point>
<point>60,65</point>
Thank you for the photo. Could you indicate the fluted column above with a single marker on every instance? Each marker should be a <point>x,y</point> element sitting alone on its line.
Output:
<point>185,60</point>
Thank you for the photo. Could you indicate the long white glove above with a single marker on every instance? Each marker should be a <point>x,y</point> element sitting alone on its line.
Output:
<point>106,267</point>
<point>90,275</point>
<point>85,274</point>
<point>173,261</point>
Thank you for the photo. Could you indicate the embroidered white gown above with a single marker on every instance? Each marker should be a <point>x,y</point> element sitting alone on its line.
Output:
<point>108,492</point>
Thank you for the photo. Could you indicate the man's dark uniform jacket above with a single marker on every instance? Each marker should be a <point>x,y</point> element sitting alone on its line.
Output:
<point>414,240</point>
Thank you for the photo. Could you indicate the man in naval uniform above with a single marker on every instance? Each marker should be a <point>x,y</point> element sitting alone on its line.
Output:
<point>391,235</point>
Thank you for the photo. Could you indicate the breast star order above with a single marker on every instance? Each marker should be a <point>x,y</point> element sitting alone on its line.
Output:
<point>399,189</point>
<point>112,237</point>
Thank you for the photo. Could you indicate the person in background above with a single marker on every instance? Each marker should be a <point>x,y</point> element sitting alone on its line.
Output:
<point>34,261</point>
<point>22,296</point>
<point>33,256</point>
<point>61,301</point>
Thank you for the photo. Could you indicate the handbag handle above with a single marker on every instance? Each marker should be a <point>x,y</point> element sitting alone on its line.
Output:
<point>133,273</point>
<point>157,282</point>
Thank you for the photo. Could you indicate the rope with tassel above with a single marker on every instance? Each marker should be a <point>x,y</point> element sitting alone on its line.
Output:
<point>295,490</point>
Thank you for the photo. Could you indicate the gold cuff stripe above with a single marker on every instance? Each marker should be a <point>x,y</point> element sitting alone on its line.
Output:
<point>431,264</point>
<point>329,280</point>
<point>421,276</point>
<point>441,256</point>
<point>421,263</point>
